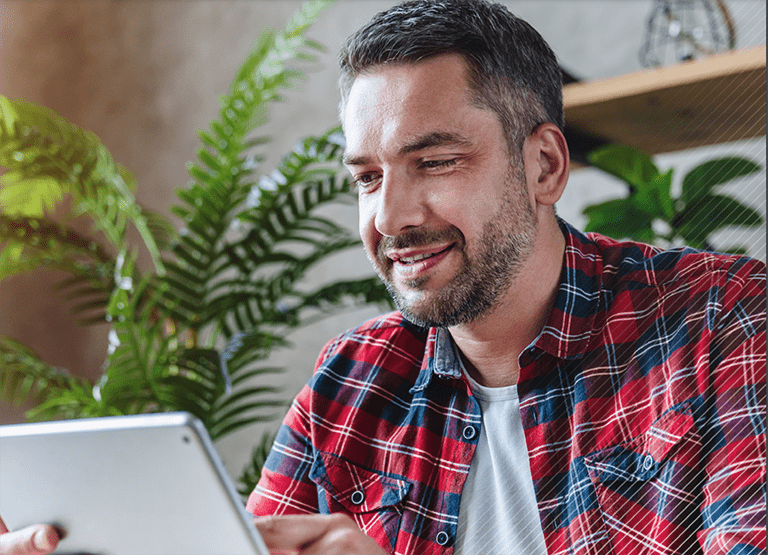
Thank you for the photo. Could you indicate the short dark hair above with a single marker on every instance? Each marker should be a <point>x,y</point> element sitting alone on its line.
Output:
<point>512,70</point>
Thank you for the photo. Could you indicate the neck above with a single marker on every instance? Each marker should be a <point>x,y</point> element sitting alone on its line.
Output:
<point>490,346</point>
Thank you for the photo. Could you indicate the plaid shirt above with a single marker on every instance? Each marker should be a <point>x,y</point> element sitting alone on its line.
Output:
<point>643,404</point>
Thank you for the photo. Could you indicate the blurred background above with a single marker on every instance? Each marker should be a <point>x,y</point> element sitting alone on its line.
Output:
<point>144,75</point>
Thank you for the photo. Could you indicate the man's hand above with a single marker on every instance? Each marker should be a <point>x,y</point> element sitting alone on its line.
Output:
<point>335,534</point>
<point>39,539</point>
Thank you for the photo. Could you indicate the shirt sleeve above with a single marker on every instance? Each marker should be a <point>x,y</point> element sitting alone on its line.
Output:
<point>734,493</point>
<point>285,486</point>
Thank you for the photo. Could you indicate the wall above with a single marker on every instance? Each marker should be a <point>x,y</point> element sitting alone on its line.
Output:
<point>145,75</point>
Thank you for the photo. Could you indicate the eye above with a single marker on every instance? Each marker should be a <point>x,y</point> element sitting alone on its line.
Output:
<point>437,164</point>
<point>366,181</point>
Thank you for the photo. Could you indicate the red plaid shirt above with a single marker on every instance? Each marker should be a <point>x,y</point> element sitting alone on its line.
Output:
<point>643,403</point>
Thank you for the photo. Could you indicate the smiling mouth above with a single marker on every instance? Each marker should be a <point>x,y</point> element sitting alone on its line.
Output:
<point>419,257</point>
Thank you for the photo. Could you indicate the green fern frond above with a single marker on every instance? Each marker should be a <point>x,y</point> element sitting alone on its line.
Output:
<point>197,337</point>
<point>217,387</point>
<point>139,345</point>
<point>76,401</point>
<point>331,297</point>
<point>268,259</point>
<point>29,243</point>
<point>161,229</point>
<point>47,156</point>
<point>220,178</point>
<point>246,302</point>
<point>23,375</point>
<point>314,161</point>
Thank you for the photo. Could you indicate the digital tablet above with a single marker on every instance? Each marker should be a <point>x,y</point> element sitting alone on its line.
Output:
<point>127,485</point>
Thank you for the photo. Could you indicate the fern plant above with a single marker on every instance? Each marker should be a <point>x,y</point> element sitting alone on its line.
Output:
<point>194,332</point>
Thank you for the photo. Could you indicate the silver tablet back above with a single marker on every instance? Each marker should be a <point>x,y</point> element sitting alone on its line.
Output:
<point>128,485</point>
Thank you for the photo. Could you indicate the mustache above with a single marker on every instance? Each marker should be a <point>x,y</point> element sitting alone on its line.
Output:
<point>418,237</point>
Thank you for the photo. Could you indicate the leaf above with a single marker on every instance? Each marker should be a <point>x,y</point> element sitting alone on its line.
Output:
<point>662,184</point>
<point>8,115</point>
<point>232,272</point>
<point>700,180</point>
<point>634,167</point>
<point>618,218</point>
<point>713,212</point>
<point>23,375</point>
<point>10,258</point>
<point>741,251</point>
<point>41,149</point>
<point>28,196</point>
<point>331,298</point>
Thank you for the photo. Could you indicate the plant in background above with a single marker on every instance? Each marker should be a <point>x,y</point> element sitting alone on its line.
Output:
<point>652,215</point>
<point>194,331</point>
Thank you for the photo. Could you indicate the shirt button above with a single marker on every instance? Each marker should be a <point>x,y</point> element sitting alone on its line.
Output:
<point>647,462</point>
<point>357,497</point>
<point>469,433</point>
<point>442,538</point>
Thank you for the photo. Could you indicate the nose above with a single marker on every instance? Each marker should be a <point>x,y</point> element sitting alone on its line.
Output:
<point>400,204</point>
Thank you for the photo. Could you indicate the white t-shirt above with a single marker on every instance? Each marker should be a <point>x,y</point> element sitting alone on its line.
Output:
<point>498,513</point>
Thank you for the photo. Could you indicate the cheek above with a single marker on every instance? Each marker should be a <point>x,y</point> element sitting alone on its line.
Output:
<point>367,228</point>
<point>461,201</point>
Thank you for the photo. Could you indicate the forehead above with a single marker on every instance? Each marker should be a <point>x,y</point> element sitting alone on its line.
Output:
<point>402,101</point>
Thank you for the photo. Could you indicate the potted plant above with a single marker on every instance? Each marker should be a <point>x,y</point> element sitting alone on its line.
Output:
<point>651,214</point>
<point>193,332</point>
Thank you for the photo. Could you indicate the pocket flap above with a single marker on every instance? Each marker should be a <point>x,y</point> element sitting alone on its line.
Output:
<point>356,488</point>
<point>642,457</point>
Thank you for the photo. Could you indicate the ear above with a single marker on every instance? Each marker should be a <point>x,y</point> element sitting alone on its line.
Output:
<point>547,163</point>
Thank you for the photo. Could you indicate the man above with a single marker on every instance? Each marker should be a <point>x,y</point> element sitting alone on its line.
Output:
<point>539,390</point>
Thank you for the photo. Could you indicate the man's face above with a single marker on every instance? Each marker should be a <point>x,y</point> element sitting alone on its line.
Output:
<point>445,216</point>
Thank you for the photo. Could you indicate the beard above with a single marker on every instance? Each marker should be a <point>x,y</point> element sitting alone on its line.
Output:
<point>506,241</point>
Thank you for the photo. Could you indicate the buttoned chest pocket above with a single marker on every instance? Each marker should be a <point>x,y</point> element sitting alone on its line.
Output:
<point>375,500</point>
<point>649,489</point>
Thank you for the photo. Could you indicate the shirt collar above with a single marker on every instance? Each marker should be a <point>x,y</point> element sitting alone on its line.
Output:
<point>440,359</point>
<point>569,326</point>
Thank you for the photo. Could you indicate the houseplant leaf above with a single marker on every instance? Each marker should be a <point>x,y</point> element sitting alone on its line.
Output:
<point>653,198</point>
<point>691,218</point>
<point>713,212</point>
<point>51,156</point>
<point>619,218</point>
<point>197,336</point>
<point>632,166</point>
<point>700,180</point>
<point>28,197</point>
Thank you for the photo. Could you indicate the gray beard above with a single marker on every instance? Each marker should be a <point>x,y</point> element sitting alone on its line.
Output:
<point>476,288</point>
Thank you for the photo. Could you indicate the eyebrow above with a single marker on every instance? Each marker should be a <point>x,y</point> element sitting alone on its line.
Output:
<point>438,138</point>
<point>431,140</point>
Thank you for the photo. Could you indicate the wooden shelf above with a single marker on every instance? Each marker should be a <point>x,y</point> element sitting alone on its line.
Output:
<point>709,101</point>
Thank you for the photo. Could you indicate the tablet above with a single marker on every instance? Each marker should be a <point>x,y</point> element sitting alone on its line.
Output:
<point>127,485</point>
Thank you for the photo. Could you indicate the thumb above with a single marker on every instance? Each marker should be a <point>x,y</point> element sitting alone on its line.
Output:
<point>39,539</point>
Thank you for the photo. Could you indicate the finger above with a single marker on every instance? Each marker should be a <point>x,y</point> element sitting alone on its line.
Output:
<point>3,527</point>
<point>33,540</point>
<point>308,534</point>
<point>343,541</point>
<point>290,532</point>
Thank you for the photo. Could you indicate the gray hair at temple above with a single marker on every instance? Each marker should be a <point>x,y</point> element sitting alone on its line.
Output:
<point>512,70</point>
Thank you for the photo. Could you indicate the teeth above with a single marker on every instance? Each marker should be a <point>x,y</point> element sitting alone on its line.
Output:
<point>416,258</point>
